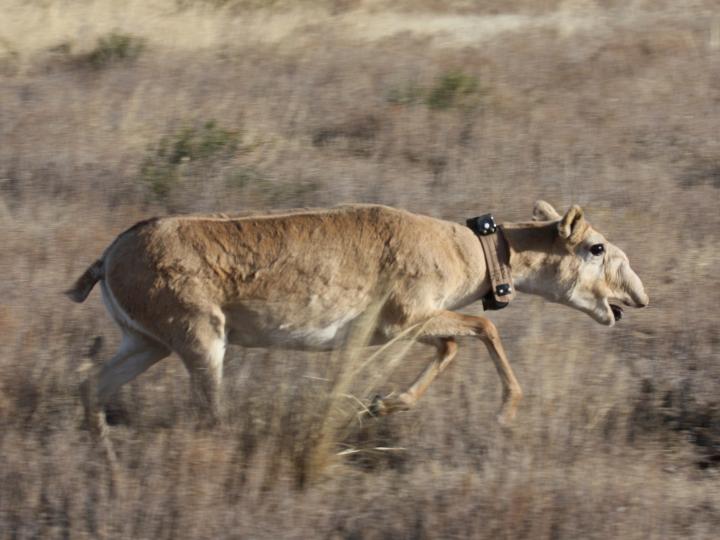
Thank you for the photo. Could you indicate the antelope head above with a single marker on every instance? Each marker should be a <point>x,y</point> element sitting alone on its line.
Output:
<point>565,260</point>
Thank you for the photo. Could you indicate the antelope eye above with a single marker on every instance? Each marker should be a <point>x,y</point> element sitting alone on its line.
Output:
<point>597,249</point>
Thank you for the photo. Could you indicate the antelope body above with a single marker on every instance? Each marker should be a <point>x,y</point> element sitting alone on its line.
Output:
<point>300,280</point>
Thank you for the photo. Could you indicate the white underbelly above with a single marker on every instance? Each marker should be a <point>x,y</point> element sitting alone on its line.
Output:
<point>322,337</point>
<point>313,333</point>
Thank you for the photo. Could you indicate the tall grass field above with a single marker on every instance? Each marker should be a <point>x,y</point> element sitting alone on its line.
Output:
<point>112,112</point>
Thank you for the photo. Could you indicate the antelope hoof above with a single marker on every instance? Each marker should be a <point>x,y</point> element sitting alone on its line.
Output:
<point>506,415</point>
<point>508,410</point>
<point>389,404</point>
<point>95,424</point>
<point>505,418</point>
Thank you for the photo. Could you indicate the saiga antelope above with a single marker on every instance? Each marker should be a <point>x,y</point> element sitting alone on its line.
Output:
<point>191,285</point>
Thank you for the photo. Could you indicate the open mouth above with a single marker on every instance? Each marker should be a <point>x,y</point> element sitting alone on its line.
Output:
<point>617,312</point>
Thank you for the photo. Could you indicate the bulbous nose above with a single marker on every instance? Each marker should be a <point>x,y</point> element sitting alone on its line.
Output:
<point>642,300</point>
<point>634,287</point>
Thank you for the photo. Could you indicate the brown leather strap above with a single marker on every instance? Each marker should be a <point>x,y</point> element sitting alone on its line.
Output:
<point>497,257</point>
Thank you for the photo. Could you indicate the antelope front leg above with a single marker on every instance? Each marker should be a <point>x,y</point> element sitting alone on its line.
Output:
<point>446,351</point>
<point>448,323</point>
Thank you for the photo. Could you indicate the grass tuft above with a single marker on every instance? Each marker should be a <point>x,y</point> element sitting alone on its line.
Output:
<point>114,48</point>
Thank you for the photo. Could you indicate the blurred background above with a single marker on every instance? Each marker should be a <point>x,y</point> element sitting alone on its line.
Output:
<point>111,112</point>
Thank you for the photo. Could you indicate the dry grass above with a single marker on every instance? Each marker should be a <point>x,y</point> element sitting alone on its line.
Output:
<point>612,106</point>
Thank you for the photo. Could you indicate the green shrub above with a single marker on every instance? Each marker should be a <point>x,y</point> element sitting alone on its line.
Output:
<point>115,47</point>
<point>163,167</point>
<point>191,144</point>
<point>452,90</point>
<point>159,178</point>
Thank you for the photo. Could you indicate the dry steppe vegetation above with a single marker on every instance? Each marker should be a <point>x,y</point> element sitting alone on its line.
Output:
<point>114,111</point>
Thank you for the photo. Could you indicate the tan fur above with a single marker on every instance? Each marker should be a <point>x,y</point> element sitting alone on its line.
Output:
<point>299,280</point>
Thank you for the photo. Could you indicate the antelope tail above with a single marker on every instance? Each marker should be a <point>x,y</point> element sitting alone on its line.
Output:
<point>82,287</point>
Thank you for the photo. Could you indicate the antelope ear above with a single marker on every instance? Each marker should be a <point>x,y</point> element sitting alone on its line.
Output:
<point>573,225</point>
<point>543,211</point>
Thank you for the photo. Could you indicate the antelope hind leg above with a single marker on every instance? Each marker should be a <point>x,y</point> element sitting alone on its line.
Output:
<point>135,355</point>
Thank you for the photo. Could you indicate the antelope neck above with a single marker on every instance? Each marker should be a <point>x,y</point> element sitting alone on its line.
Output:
<point>529,243</point>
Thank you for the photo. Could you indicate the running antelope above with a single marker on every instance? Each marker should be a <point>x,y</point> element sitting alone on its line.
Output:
<point>191,285</point>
